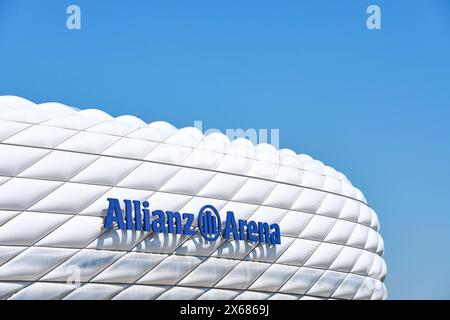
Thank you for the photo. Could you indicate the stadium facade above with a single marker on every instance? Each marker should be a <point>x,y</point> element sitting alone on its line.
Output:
<point>97,207</point>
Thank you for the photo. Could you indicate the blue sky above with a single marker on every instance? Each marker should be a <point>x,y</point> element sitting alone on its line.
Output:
<point>373,104</point>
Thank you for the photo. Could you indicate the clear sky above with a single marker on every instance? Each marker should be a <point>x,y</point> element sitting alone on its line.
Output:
<point>374,104</point>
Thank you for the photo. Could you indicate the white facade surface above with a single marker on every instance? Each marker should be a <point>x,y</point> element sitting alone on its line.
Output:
<point>58,165</point>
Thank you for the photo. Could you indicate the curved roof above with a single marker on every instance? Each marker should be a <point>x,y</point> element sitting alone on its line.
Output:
<point>58,115</point>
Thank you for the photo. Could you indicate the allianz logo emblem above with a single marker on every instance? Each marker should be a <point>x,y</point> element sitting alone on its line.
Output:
<point>139,217</point>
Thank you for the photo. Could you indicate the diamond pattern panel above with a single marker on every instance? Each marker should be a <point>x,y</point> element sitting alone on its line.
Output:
<point>59,165</point>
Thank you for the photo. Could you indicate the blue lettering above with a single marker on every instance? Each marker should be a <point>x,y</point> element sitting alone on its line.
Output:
<point>264,232</point>
<point>146,212</point>
<point>252,228</point>
<point>173,218</point>
<point>275,237</point>
<point>128,214</point>
<point>209,223</point>
<point>137,215</point>
<point>114,214</point>
<point>187,226</point>
<point>242,225</point>
<point>230,227</point>
<point>159,224</point>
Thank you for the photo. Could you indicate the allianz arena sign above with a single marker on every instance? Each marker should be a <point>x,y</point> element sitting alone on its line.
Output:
<point>208,223</point>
